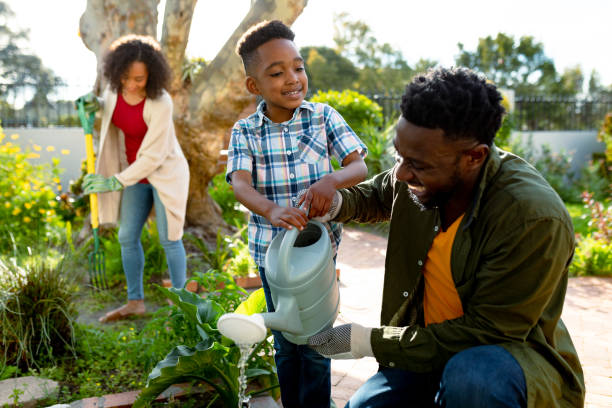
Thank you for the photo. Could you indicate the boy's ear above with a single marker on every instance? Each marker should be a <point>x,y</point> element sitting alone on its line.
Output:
<point>251,85</point>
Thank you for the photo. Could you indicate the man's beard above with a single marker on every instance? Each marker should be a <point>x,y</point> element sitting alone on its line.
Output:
<point>439,198</point>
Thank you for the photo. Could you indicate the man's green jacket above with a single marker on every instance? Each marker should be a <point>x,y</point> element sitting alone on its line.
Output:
<point>509,263</point>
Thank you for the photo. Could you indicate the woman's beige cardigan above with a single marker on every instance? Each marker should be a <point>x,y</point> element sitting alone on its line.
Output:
<point>159,159</point>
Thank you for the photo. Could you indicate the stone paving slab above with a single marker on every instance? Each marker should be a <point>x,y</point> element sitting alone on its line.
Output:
<point>26,391</point>
<point>587,314</point>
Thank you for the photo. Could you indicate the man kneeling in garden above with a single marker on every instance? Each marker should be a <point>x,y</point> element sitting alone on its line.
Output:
<point>477,263</point>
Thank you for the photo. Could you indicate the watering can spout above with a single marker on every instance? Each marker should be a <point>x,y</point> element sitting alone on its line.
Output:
<point>286,318</point>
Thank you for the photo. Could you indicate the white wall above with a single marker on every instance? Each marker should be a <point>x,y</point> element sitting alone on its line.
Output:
<point>580,144</point>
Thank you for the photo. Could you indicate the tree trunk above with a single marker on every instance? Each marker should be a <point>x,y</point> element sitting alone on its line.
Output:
<point>205,108</point>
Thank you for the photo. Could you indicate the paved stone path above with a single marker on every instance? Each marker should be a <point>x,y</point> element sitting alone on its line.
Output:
<point>587,314</point>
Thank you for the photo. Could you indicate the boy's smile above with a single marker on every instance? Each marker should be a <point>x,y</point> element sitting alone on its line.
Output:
<point>279,77</point>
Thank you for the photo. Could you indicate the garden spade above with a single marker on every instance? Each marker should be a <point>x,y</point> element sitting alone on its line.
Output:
<point>97,261</point>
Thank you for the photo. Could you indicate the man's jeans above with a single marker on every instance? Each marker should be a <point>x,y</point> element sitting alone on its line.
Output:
<point>304,375</point>
<point>478,377</point>
<point>136,203</point>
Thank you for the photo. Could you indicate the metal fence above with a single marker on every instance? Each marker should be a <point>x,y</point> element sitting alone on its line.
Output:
<point>558,113</point>
<point>531,113</point>
<point>60,113</point>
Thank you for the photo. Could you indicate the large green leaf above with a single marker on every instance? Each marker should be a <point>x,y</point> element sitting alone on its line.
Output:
<point>203,312</point>
<point>255,303</point>
<point>206,362</point>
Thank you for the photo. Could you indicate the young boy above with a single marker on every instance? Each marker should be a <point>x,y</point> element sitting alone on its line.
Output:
<point>277,154</point>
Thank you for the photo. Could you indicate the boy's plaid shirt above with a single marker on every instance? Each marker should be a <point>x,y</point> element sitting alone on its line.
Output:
<point>284,159</point>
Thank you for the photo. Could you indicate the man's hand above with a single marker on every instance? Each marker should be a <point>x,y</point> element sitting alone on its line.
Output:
<point>318,198</point>
<point>333,210</point>
<point>343,342</point>
<point>95,183</point>
<point>287,217</point>
<point>90,102</point>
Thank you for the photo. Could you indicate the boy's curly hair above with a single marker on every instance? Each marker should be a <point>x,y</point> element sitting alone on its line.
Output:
<point>257,35</point>
<point>131,48</point>
<point>457,100</point>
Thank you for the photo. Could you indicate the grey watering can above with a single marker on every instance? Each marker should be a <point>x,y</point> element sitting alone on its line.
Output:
<point>302,277</point>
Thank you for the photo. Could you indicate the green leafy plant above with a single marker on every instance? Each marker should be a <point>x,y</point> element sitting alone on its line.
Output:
<point>593,255</point>
<point>358,110</point>
<point>223,194</point>
<point>241,263</point>
<point>28,216</point>
<point>212,361</point>
<point>37,312</point>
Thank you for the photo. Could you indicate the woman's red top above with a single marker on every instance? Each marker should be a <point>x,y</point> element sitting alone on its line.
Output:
<point>129,119</point>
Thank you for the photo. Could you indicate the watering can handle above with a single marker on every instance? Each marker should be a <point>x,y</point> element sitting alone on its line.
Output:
<point>87,124</point>
<point>284,252</point>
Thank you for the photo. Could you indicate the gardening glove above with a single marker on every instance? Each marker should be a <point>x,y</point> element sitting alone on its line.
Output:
<point>333,210</point>
<point>90,103</point>
<point>343,342</point>
<point>95,183</point>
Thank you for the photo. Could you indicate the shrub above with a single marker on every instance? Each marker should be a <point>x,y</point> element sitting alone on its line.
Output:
<point>28,216</point>
<point>36,312</point>
<point>593,254</point>
<point>365,117</point>
<point>358,110</point>
<point>223,194</point>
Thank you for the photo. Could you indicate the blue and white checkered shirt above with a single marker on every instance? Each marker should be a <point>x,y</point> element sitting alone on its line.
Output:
<point>286,158</point>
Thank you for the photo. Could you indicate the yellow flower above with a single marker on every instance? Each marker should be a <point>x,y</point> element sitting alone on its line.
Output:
<point>7,205</point>
<point>37,148</point>
<point>50,148</point>
<point>123,338</point>
<point>56,179</point>
<point>33,156</point>
<point>131,328</point>
<point>16,211</point>
<point>14,136</point>
<point>27,219</point>
<point>27,206</point>
<point>65,151</point>
<point>59,187</point>
<point>52,203</point>
<point>40,210</point>
<point>7,194</point>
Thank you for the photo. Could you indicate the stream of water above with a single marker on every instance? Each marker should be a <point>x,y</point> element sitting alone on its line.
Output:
<point>245,352</point>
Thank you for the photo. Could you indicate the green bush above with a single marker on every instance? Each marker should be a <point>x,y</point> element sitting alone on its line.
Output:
<point>593,255</point>
<point>223,194</point>
<point>365,117</point>
<point>36,312</point>
<point>359,111</point>
<point>28,216</point>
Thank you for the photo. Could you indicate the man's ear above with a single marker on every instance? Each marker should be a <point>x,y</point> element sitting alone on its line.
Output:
<point>251,85</point>
<point>477,155</point>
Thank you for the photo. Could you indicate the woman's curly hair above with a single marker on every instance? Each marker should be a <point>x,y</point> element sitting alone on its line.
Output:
<point>131,48</point>
<point>457,100</point>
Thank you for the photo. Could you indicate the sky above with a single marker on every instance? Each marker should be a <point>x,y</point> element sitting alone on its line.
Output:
<point>573,33</point>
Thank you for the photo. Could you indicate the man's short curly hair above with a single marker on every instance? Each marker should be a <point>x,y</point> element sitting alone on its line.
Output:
<point>457,100</point>
<point>257,35</point>
<point>131,48</point>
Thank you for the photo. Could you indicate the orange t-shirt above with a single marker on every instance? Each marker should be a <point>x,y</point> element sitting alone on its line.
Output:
<point>441,301</point>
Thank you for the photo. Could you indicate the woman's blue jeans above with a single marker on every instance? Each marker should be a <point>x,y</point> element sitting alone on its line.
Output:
<point>136,203</point>
<point>303,374</point>
<point>478,377</point>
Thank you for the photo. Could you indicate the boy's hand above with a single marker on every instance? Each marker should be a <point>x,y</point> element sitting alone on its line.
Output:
<point>288,217</point>
<point>319,197</point>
